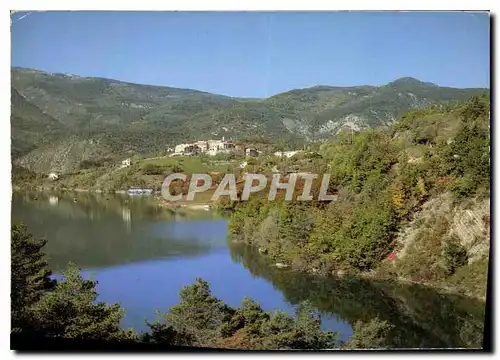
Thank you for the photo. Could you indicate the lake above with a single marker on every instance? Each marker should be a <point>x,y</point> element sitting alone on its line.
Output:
<point>142,255</point>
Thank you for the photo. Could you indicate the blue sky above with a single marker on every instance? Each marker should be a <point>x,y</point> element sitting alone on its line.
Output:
<point>257,54</point>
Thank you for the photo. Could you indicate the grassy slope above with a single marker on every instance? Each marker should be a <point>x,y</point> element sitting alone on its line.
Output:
<point>114,178</point>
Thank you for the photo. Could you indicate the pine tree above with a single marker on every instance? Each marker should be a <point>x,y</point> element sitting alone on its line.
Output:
<point>371,334</point>
<point>71,311</point>
<point>199,315</point>
<point>30,277</point>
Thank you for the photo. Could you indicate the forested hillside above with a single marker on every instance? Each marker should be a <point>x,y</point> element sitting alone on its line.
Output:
<point>59,120</point>
<point>413,202</point>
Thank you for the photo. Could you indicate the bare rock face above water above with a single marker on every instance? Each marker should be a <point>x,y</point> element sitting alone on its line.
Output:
<point>469,223</point>
<point>472,227</point>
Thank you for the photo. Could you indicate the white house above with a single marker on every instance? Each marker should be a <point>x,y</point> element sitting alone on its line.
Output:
<point>179,149</point>
<point>203,145</point>
<point>53,176</point>
<point>215,145</point>
<point>125,163</point>
<point>287,154</point>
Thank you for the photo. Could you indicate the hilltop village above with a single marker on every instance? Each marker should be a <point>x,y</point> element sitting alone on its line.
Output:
<point>215,147</point>
<point>212,148</point>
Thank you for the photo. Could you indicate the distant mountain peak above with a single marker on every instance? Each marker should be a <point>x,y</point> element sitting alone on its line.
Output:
<point>408,80</point>
<point>48,110</point>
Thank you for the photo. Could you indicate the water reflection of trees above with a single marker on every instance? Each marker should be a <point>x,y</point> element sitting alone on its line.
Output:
<point>93,205</point>
<point>101,231</point>
<point>422,317</point>
<point>84,204</point>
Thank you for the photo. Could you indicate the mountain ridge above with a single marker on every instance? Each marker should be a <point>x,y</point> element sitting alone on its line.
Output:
<point>322,85</point>
<point>125,118</point>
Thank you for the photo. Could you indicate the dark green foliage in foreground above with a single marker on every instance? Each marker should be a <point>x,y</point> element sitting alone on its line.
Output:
<point>370,335</point>
<point>53,308</point>
<point>70,310</point>
<point>199,314</point>
<point>30,277</point>
<point>394,317</point>
<point>417,316</point>
<point>204,320</point>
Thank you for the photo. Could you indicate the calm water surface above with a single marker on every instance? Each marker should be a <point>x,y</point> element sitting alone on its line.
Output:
<point>142,255</point>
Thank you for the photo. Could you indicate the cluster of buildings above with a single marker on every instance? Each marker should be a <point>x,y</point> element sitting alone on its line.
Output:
<point>211,147</point>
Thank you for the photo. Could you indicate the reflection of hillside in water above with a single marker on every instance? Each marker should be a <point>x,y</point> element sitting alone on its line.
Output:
<point>87,204</point>
<point>421,316</point>
<point>93,205</point>
<point>102,231</point>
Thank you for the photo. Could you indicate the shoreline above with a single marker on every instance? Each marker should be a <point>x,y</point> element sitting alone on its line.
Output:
<point>158,200</point>
<point>374,276</point>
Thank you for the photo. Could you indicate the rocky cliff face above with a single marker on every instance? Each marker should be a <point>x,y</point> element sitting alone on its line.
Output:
<point>471,226</point>
<point>467,222</point>
<point>421,256</point>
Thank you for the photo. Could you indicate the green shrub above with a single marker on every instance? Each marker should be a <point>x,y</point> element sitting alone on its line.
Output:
<point>370,335</point>
<point>200,319</point>
<point>454,255</point>
<point>88,164</point>
<point>153,169</point>
<point>463,187</point>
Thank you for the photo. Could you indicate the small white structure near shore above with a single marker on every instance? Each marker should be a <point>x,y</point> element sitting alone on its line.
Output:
<point>125,163</point>
<point>53,176</point>
<point>287,154</point>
